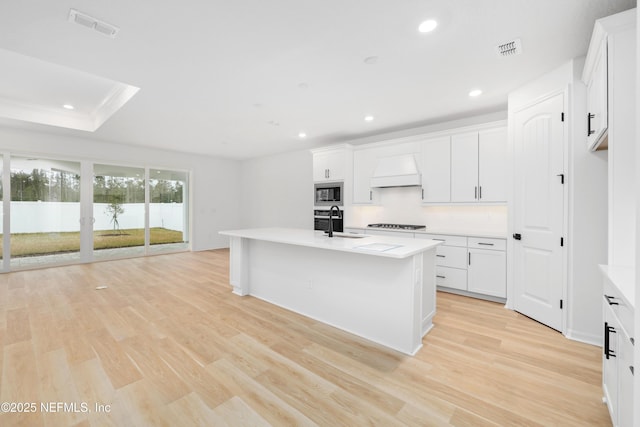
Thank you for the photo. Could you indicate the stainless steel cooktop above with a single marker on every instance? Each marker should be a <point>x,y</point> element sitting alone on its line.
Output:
<point>397,226</point>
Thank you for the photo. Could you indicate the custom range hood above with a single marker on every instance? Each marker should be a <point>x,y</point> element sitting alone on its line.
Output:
<point>396,171</point>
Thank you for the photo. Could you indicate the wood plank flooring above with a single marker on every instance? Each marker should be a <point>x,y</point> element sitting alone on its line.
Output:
<point>168,344</point>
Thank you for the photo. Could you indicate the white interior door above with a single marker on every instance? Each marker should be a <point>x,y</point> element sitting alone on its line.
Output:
<point>539,211</point>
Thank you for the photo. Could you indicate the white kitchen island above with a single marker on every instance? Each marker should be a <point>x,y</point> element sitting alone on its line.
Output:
<point>377,287</point>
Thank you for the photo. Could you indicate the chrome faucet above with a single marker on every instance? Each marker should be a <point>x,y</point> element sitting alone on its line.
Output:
<point>331,218</point>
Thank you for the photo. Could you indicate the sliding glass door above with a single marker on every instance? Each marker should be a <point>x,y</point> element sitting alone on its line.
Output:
<point>168,219</point>
<point>118,211</point>
<point>45,211</point>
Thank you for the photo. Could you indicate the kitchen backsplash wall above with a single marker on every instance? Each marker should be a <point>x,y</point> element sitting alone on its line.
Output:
<point>403,205</point>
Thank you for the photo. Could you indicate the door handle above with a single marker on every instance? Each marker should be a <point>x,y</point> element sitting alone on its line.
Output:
<point>517,236</point>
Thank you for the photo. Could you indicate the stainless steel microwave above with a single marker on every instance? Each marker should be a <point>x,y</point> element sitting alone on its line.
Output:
<point>328,194</point>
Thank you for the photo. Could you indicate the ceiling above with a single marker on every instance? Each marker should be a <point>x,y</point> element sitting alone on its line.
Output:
<point>243,78</point>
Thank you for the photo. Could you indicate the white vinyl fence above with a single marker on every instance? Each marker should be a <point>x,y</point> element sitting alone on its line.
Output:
<point>51,217</point>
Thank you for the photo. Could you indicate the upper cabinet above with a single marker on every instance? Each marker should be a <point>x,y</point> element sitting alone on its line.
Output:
<point>478,166</point>
<point>329,164</point>
<point>364,163</point>
<point>608,75</point>
<point>436,170</point>
<point>597,106</point>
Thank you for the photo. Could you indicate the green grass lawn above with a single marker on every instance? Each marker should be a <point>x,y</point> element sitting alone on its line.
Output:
<point>30,244</point>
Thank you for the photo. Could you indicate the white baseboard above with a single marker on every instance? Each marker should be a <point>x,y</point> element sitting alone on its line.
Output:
<point>585,338</point>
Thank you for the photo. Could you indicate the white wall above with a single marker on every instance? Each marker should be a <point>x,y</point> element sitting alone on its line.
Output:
<point>277,191</point>
<point>214,182</point>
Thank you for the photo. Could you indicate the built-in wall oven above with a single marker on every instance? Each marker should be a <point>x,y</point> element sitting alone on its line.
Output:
<point>321,220</point>
<point>328,194</point>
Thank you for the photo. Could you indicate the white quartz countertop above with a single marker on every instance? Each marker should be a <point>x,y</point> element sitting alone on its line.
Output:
<point>624,278</point>
<point>384,246</point>
<point>443,231</point>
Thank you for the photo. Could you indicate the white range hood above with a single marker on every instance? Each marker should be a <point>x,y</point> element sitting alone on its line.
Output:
<point>396,171</point>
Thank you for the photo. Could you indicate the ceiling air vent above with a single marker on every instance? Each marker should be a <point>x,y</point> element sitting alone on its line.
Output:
<point>510,48</point>
<point>93,23</point>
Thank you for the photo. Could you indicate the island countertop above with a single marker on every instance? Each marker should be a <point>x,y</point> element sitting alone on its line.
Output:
<point>383,246</point>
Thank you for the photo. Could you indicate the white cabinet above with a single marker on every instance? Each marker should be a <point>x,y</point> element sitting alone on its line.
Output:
<point>403,234</point>
<point>487,271</point>
<point>364,163</point>
<point>492,165</point>
<point>597,105</point>
<point>436,170</point>
<point>476,266</point>
<point>478,166</point>
<point>464,167</point>
<point>329,165</point>
<point>618,347</point>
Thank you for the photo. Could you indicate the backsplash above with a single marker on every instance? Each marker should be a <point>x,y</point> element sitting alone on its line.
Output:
<point>403,205</point>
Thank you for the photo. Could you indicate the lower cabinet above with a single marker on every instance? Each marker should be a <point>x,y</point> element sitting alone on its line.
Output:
<point>487,267</point>
<point>473,265</point>
<point>617,355</point>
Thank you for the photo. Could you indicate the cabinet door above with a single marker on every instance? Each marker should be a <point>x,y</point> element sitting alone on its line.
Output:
<point>364,162</point>
<point>610,364</point>
<point>329,165</point>
<point>487,272</point>
<point>464,167</point>
<point>492,165</point>
<point>597,104</point>
<point>626,399</point>
<point>436,170</point>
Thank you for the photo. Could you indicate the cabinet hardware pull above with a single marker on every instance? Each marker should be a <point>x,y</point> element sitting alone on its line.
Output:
<point>485,244</point>
<point>370,195</point>
<point>607,351</point>
<point>589,117</point>
<point>632,341</point>
<point>423,194</point>
<point>440,240</point>
<point>631,369</point>
<point>469,258</point>
<point>441,256</point>
<point>475,194</point>
<point>441,277</point>
<point>609,298</point>
<point>480,192</point>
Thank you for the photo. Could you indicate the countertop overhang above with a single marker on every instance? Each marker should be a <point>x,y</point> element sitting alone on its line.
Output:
<point>398,247</point>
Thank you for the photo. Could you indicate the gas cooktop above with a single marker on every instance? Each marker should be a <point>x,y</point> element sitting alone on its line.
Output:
<point>397,226</point>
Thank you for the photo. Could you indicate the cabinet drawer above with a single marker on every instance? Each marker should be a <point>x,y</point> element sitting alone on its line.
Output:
<point>482,243</point>
<point>623,311</point>
<point>451,256</point>
<point>447,239</point>
<point>451,277</point>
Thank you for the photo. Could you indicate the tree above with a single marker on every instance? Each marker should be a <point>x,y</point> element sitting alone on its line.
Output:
<point>114,209</point>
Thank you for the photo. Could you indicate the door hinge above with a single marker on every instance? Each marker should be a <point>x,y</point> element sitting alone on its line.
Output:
<point>562,241</point>
<point>561,305</point>
<point>561,175</point>
<point>562,117</point>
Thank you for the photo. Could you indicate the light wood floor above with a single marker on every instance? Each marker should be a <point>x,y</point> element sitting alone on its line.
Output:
<point>167,343</point>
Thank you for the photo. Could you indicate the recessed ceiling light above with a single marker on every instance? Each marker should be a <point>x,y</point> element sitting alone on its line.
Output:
<point>475,92</point>
<point>302,135</point>
<point>368,118</point>
<point>427,26</point>
<point>68,107</point>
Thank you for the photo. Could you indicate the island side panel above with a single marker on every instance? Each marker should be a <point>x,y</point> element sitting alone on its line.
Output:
<point>428,306</point>
<point>239,265</point>
<point>375,297</point>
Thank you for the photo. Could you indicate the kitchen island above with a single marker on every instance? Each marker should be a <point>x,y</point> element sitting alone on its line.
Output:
<point>377,287</point>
